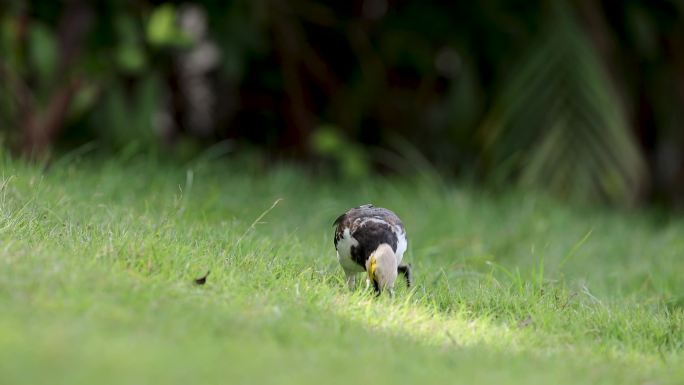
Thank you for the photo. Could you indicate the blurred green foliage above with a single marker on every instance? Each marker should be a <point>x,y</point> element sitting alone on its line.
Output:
<point>582,98</point>
<point>349,157</point>
<point>558,121</point>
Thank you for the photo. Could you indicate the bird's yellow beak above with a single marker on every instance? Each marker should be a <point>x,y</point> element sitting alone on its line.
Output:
<point>371,268</point>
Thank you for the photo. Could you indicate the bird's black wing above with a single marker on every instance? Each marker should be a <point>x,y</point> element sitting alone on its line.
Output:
<point>370,234</point>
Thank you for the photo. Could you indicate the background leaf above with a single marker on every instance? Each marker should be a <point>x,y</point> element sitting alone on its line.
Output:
<point>558,108</point>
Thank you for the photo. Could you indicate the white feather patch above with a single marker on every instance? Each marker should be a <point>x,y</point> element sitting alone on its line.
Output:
<point>344,246</point>
<point>402,243</point>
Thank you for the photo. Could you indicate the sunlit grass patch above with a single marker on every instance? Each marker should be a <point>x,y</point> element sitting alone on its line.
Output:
<point>98,261</point>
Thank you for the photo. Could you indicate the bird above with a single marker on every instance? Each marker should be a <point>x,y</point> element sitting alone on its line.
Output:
<point>372,239</point>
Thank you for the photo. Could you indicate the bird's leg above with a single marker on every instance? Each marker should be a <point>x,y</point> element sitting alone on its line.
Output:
<point>351,279</point>
<point>406,271</point>
<point>376,288</point>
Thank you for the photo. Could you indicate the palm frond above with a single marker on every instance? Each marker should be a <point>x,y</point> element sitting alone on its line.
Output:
<point>557,122</point>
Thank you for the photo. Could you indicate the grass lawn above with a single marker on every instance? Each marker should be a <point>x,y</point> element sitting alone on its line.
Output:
<point>97,261</point>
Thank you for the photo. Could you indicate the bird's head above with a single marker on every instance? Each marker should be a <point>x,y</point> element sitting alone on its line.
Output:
<point>382,268</point>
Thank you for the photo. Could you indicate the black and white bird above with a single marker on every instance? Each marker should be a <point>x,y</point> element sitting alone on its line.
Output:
<point>372,239</point>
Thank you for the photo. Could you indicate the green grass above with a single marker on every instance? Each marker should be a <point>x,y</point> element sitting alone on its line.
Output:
<point>97,260</point>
